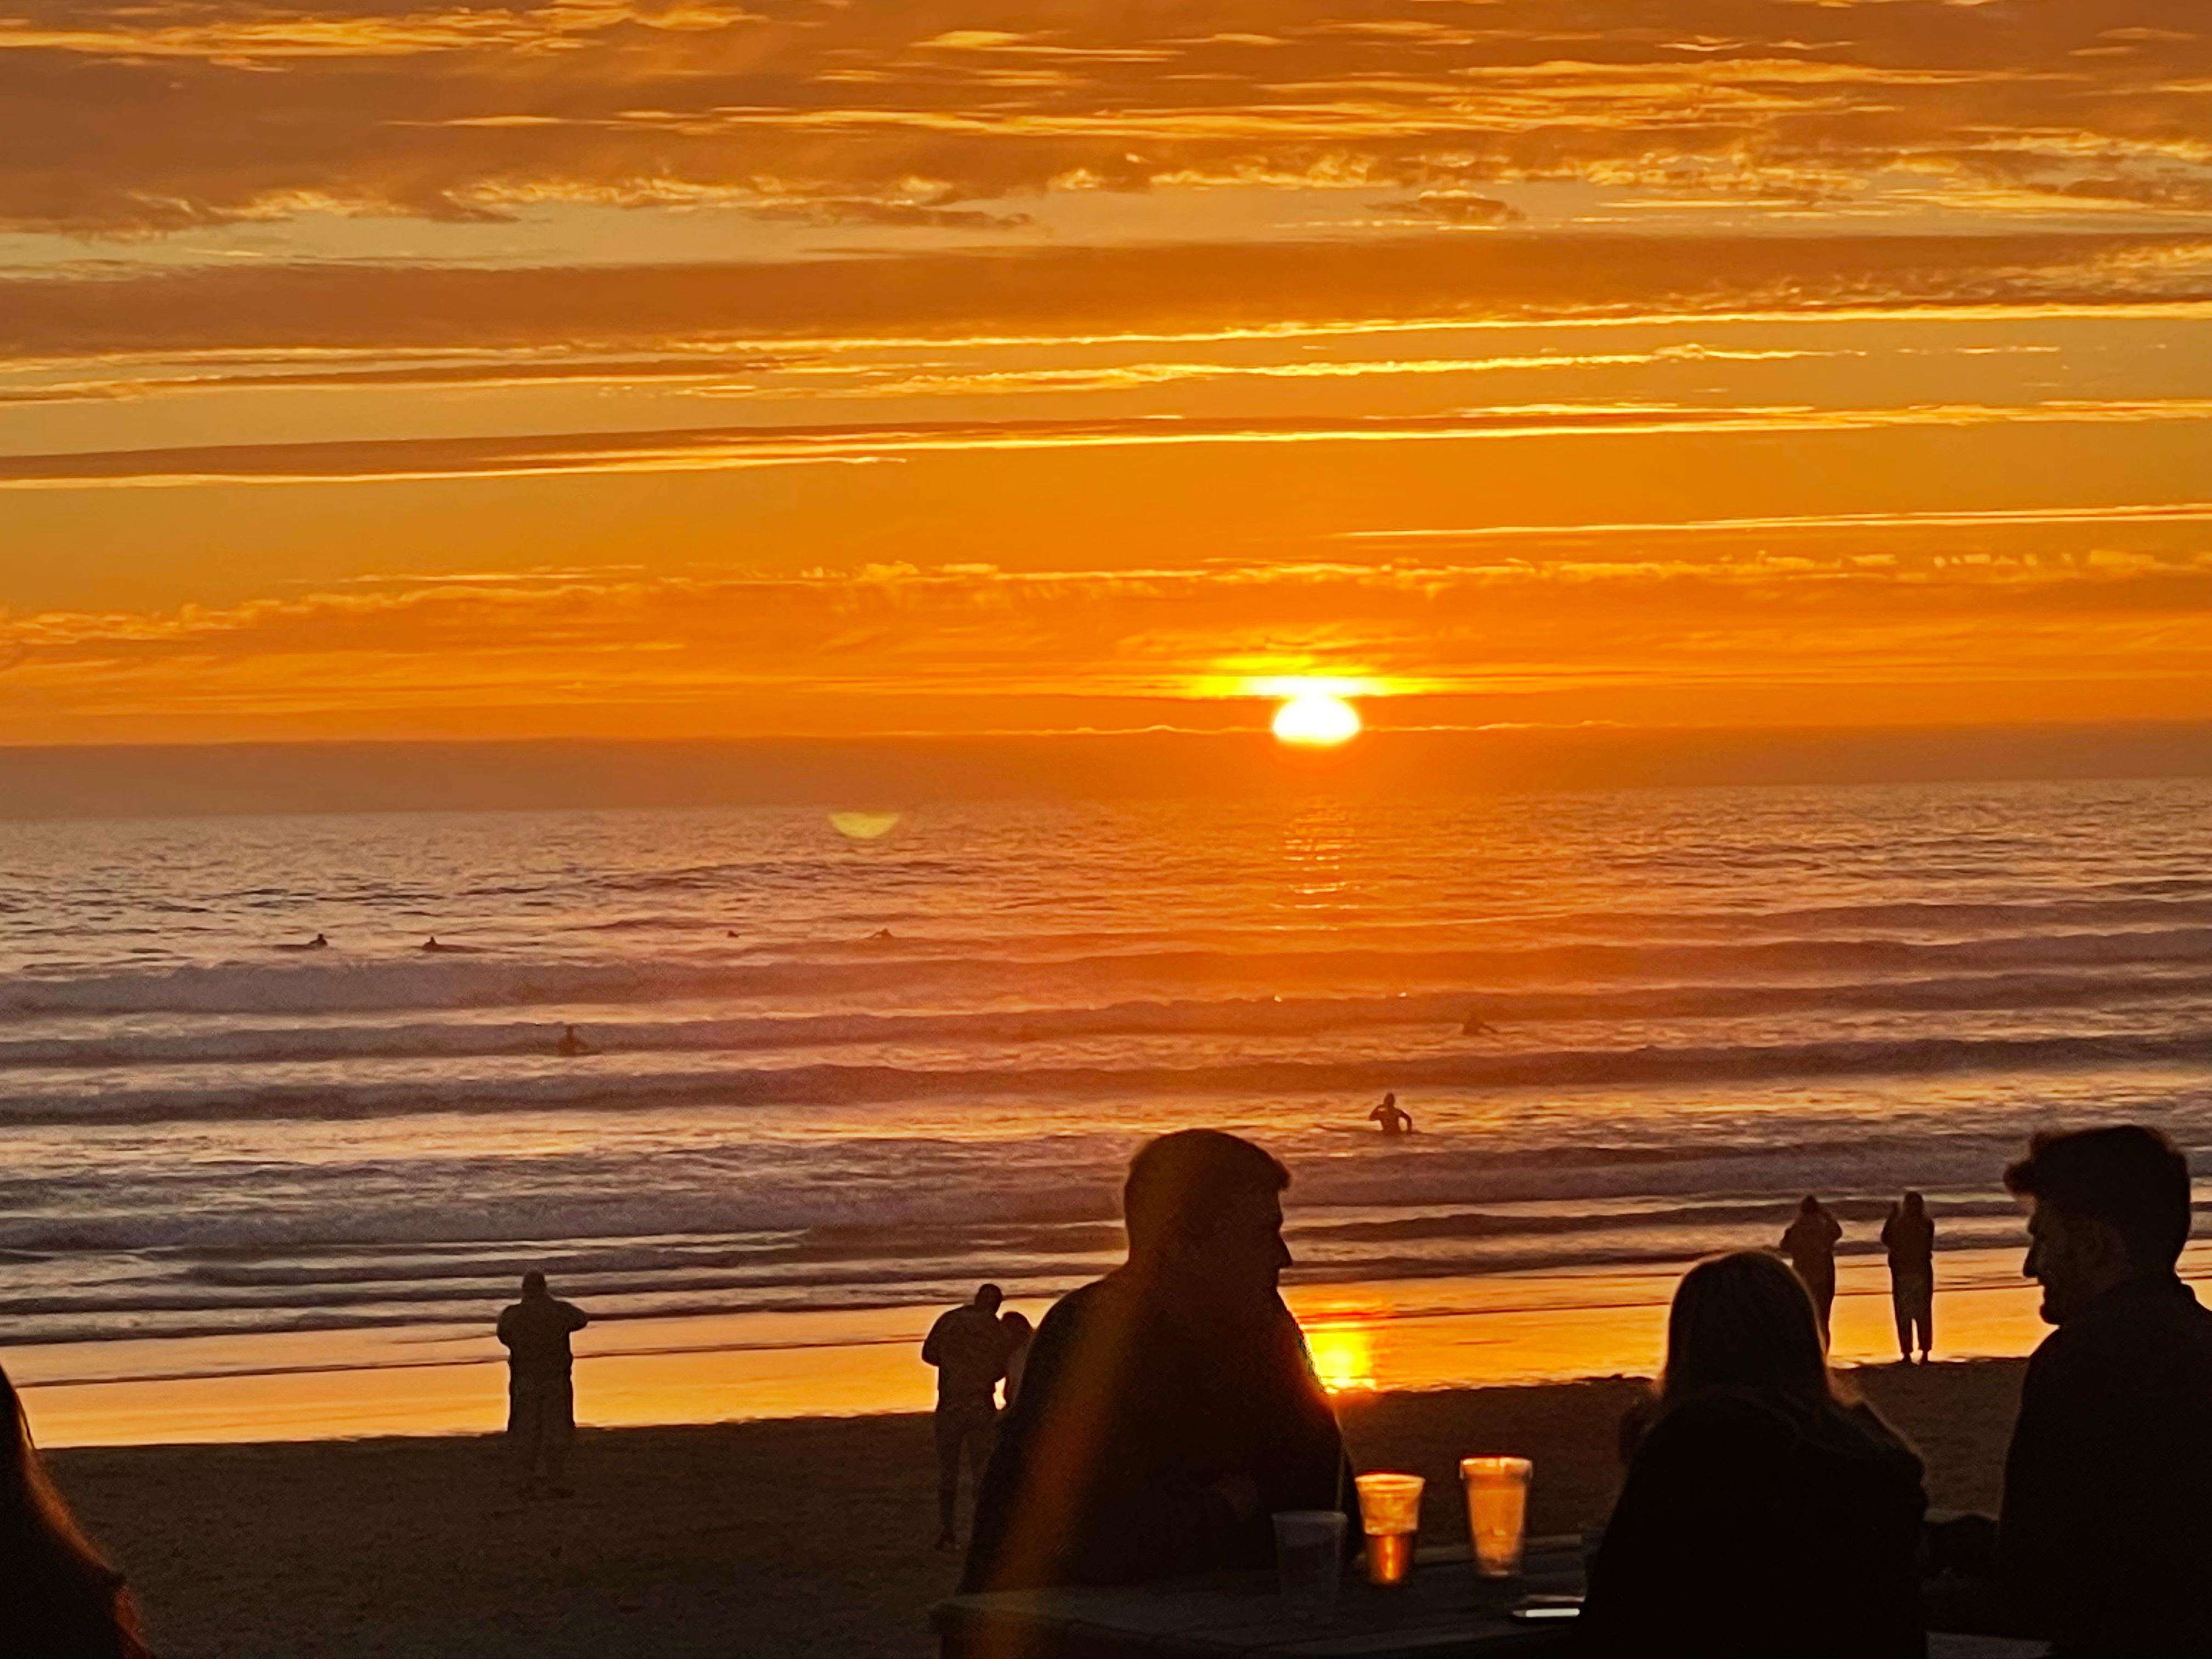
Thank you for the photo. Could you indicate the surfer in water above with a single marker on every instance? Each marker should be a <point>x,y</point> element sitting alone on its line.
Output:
<point>571,1045</point>
<point>1395,1119</point>
<point>431,945</point>
<point>318,943</point>
<point>1477,1026</point>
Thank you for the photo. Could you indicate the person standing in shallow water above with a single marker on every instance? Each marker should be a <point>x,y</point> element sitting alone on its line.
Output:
<point>1910,1237</point>
<point>541,1397</point>
<point>1810,1244</point>
<point>1395,1119</point>
<point>970,1346</point>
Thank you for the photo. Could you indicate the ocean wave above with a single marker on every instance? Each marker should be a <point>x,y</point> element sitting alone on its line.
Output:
<point>585,1089</point>
<point>1227,1017</point>
<point>492,982</point>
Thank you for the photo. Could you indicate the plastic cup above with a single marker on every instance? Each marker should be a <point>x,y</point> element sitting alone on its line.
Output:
<point>1390,1514</point>
<point>1497,1511</point>
<point>1309,1560</point>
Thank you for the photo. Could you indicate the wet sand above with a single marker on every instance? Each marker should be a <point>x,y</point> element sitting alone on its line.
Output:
<point>805,1537</point>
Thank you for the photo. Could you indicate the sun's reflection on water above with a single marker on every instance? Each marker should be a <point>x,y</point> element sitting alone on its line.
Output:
<point>1343,1350</point>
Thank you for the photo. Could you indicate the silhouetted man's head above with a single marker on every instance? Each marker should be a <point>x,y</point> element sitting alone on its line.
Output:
<point>533,1283</point>
<point>1207,1207</point>
<point>2110,1205</point>
<point>988,1297</point>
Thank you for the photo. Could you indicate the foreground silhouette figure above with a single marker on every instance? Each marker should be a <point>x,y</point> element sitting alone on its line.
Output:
<point>1763,1515</point>
<point>59,1597</point>
<point>1395,1119</point>
<point>970,1346</point>
<point>1909,1236</point>
<point>1809,1242</point>
<point>1169,1408</point>
<point>2105,1538</point>
<point>541,1399</point>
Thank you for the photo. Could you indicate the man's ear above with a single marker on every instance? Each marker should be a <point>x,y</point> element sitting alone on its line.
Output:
<point>2098,1245</point>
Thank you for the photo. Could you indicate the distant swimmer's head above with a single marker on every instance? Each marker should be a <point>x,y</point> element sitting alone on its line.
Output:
<point>1206,1209</point>
<point>988,1297</point>
<point>533,1283</point>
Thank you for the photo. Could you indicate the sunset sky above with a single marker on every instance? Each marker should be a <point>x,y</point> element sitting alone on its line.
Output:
<point>691,367</point>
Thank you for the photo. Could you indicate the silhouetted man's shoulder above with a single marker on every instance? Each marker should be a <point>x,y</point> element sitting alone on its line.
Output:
<point>2151,1333</point>
<point>2105,1532</point>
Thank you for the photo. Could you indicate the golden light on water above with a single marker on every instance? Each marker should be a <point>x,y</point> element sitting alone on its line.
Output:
<point>1317,719</point>
<point>1343,1357</point>
<point>864,826</point>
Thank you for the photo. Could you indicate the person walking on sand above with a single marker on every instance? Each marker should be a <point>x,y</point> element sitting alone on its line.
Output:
<point>1910,1237</point>
<point>1810,1244</point>
<point>1395,1119</point>
<point>541,1397</point>
<point>970,1346</point>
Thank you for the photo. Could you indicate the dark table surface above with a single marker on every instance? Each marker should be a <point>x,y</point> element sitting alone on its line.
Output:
<point>1442,1611</point>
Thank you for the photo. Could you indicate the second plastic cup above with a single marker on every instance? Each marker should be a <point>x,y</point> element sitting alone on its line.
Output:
<point>1497,1511</point>
<point>1390,1514</point>
<point>1310,1557</point>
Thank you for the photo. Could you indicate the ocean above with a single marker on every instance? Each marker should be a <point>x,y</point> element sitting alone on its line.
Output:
<point>860,1061</point>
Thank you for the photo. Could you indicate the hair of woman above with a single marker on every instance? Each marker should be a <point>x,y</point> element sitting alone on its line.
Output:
<point>1745,1321</point>
<point>43,1546</point>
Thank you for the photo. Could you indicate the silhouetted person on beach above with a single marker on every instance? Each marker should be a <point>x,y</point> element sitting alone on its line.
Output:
<point>1910,1237</point>
<point>1809,1242</point>
<point>2105,1539</point>
<point>1395,1119</point>
<point>59,1599</point>
<point>1764,1514</point>
<point>571,1045</point>
<point>1019,1334</point>
<point>1171,1409</point>
<point>968,1346</point>
<point>541,1398</point>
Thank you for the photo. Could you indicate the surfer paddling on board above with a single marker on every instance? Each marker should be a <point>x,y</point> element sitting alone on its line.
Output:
<point>1477,1026</point>
<point>1395,1119</point>
<point>318,943</point>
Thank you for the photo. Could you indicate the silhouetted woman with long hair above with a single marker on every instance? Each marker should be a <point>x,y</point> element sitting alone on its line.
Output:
<point>59,1597</point>
<point>1763,1513</point>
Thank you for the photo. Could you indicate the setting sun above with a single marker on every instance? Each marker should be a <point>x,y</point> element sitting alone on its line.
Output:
<point>1315,719</point>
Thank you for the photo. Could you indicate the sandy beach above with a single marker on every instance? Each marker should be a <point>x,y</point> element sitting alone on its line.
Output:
<point>799,1537</point>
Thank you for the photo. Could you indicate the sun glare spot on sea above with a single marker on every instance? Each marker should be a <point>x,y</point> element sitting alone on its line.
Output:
<point>1343,1356</point>
<point>864,826</point>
